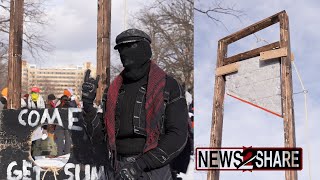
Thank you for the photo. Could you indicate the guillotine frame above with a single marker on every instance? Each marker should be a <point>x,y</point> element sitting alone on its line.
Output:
<point>286,81</point>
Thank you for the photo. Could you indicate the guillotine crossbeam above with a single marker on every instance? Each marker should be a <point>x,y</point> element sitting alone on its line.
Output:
<point>252,53</point>
<point>253,28</point>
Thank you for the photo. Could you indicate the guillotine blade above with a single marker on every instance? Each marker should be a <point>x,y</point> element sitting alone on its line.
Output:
<point>257,83</point>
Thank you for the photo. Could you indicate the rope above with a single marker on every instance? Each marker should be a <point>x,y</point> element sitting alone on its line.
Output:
<point>305,93</point>
<point>54,170</point>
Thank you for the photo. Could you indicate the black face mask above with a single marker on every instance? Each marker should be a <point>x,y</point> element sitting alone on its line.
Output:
<point>135,58</point>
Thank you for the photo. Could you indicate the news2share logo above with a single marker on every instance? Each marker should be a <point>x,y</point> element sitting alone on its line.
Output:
<point>248,158</point>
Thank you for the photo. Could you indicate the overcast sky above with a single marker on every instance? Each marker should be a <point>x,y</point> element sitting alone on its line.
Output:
<point>245,125</point>
<point>72,30</point>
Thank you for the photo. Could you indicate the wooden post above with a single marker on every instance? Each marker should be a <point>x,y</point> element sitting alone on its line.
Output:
<point>218,102</point>
<point>286,87</point>
<point>103,46</point>
<point>15,52</point>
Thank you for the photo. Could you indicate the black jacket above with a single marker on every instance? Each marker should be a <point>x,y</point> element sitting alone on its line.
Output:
<point>172,140</point>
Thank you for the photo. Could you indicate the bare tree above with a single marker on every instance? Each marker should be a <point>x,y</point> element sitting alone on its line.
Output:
<point>170,25</point>
<point>218,9</point>
<point>35,19</point>
<point>3,65</point>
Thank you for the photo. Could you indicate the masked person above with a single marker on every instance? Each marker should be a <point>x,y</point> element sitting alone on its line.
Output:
<point>51,101</point>
<point>35,100</point>
<point>3,98</point>
<point>73,101</point>
<point>63,102</point>
<point>146,115</point>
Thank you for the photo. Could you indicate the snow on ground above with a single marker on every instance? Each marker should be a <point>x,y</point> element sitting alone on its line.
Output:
<point>191,167</point>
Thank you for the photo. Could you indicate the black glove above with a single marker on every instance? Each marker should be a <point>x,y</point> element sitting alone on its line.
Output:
<point>89,88</point>
<point>129,171</point>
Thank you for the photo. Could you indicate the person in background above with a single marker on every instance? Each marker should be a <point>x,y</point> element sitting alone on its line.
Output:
<point>73,101</point>
<point>35,100</point>
<point>51,102</point>
<point>63,137</point>
<point>24,101</point>
<point>63,102</point>
<point>3,98</point>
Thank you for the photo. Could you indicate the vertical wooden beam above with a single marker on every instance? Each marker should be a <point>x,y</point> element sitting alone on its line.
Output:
<point>286,83</point>
<point>218,102</point>
<point>15,52</point>
<point>103,46</point>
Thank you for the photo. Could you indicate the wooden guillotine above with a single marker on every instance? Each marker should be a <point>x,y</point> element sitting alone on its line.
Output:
<point>225,65</point>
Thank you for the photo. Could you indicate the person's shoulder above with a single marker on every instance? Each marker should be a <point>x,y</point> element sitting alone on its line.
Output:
<point>174,88</point>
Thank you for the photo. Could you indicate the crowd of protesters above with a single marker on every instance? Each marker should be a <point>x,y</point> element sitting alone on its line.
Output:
<point>58,138</point>
<point>34,100</point>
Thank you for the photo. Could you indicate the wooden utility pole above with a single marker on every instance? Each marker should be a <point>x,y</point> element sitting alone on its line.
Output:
<point>286,82</point>
<point>218,100</point>
<point>286,91</point>
<point>15,53</point>
<point>103,46</point>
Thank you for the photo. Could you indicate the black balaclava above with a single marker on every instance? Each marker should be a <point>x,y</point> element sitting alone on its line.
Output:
<point>135,58</point>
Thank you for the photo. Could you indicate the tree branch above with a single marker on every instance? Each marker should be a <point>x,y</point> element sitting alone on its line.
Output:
<point>170,26</point>
<point>218,9</point>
